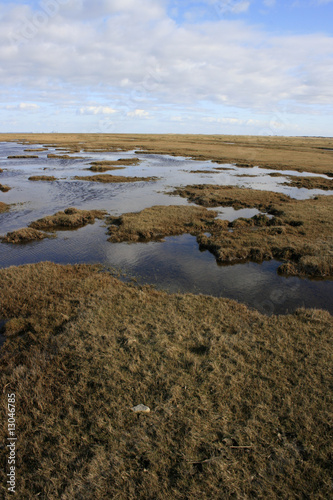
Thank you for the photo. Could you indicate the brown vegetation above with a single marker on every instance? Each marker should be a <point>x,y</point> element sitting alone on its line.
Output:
<point>231,196</point>
<point>3,207</point>
<point>21,157</point>
<point>4,188</point>
<point>24,235</point>
<point>69,218</point>
<point>203,171</point>
<point>104,166</point>
<point>310,154</point>
<point>107,178</point>
<point>37,150</point>
<point>240,403</point>
<point>120,161</point>
<point>42,178</point>
<point>299,233</point>
<point>224,168</point>
<point>310,183</point>
<point>64,157</point>
<point>159,221</point>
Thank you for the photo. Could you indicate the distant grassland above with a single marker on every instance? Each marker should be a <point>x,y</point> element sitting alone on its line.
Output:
<point>309,154</point>
<point>241,404</point>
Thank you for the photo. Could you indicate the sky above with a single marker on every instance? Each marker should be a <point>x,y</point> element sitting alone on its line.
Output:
<point>254,67</point>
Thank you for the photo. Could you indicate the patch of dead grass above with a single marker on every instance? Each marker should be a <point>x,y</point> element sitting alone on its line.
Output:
<point>203,171</point>
<point>159,221</point>
<point>37,150</point>
<point>4,188</point>
<point>104,166</point>
<point>64,157</point>
<point>240,403</point>
<point>21,157</point>
<point>24,235</point>
<point>69,218</point>
<point>310,183</point>
<point>208,195</point>
<point>3,207</point>
<point>48,178</point>
<point>107,178</point>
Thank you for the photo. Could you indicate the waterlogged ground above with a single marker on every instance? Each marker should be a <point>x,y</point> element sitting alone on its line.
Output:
<point>175,264</point>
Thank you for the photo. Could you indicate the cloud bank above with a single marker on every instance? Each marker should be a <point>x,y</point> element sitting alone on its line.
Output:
<point>132,57</point>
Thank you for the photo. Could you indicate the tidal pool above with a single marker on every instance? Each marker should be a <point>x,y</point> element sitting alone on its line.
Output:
<point>175,264</point>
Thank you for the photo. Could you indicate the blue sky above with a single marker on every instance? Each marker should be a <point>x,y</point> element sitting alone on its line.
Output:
<point>256,67</point>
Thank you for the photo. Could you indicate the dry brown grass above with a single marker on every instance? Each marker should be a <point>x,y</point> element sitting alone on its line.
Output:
<point>104,166</point>
<point>22,157</point>
<point>37,150</point>
<point>69,218</point>
<point>120,161</point>
<point>203,171</point>
<point>241,404</point>
<point>310,183</point>
<point>64,157</point>
<point>300,232</point>
<point>4,188</point>
<point>207,195</point>
<point>24,235</point>
<point>107,178</point>
<point>42,178</point>
<point>159,221</point>
<point>3,207</point>
<point>310,154</point>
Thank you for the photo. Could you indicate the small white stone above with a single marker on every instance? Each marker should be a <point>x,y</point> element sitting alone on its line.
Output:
<point>141,409</point>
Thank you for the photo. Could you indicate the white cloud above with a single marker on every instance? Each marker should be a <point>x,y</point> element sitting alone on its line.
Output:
<point>23,106</point>
<point>132,54</point>
<point>97,110</point>
<point>138,113</point>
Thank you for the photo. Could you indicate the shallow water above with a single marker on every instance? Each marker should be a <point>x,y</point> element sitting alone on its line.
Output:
<point>175,264</point>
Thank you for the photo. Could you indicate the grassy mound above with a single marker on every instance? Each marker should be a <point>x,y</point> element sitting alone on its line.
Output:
<point>4,189</point>
<point>104,166</point>
<point>310,183</point>
<point>240,403</point>
<point>64,157</point>
<point>69,218</point>
<point>156,222</point>
<point>37,150</point>
<point>3,207</point>
<point>24,235</point>
<point>42,178</point>
<point>107,178</point>
<point>21,157</point>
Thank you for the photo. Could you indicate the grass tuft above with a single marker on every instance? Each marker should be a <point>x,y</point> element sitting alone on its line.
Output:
<point>69,218</point>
